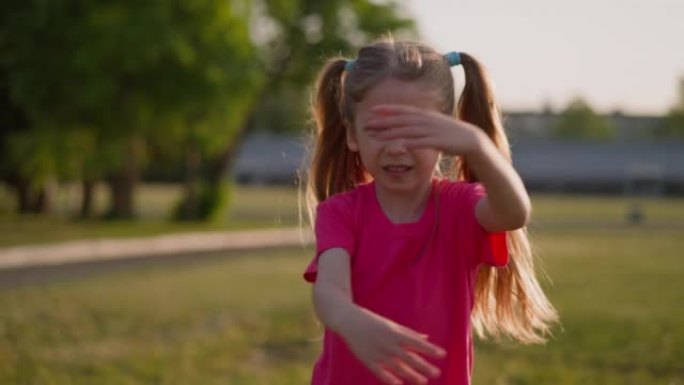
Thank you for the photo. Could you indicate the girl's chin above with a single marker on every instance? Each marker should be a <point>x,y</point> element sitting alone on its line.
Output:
<point>400,184</point>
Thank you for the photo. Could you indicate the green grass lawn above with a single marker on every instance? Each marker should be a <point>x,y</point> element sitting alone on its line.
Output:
<point>259,207</point>
<point>252,207</point>
<point>247,319</point>
<point>620,297</point>
<point>552,208</point>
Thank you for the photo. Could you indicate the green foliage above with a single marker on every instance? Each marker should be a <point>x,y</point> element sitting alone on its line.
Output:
<point>292,39</point>
<point>284,112</point>
<point>32,154</point>
<point>212,203</point>
<point>579,121</point>
<point>130,67</point>
<point>92,77</point>
<point>304,34</point>
<point>679,104</point>
<point>100,73</point>
<point>673,124</point>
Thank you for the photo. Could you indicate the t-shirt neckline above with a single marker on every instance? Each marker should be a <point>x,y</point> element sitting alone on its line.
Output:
<point>420,224</point>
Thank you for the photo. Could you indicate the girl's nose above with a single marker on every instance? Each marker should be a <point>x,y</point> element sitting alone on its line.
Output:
<point>395,147</point>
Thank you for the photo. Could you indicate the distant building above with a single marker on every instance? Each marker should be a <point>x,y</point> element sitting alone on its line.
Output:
<point>627,165</point>
<point>601,167</point>
<point>633,127</point>
<point>269,159</point>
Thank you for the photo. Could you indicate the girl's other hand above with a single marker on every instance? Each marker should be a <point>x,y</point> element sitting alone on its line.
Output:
<point>421,128</point>
<point>393,353</point>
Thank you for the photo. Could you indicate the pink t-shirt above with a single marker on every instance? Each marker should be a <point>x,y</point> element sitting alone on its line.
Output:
<point>420,274</point>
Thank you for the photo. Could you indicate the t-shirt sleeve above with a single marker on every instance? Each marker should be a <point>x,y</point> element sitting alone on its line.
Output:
<point>333,229</point>
<point>488,248</point>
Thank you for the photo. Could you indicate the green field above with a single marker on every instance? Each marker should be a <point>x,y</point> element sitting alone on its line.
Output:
<point>252,207</point>
<point>260,207</point>
<point>245,318</point>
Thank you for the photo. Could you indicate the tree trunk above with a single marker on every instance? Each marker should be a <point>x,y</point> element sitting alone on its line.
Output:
<point>23,191</point>
<point>190,205</point>
<point>33,201</point>
<point>45,198</point>
<point>219,167</point>
<point>122,183</point>
<point>88,190</point>
<point>121,205</point>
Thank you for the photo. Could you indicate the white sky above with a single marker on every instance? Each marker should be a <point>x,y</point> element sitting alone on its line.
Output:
<point>617,54</point>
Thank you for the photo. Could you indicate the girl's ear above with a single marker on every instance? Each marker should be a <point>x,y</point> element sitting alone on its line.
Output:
<point>352,144</point>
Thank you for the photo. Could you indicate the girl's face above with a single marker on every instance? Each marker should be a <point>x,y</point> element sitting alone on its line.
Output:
<point>393,167</point>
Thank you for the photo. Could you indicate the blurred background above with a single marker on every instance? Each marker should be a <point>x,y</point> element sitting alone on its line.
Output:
<point>167,119</point>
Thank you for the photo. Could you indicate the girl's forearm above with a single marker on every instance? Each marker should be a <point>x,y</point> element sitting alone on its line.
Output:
<point>506,192</point>
<point>334,307</point>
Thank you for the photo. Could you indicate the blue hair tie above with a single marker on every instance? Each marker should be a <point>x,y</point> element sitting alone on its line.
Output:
<point>349,65</point>
<point>453,58</point>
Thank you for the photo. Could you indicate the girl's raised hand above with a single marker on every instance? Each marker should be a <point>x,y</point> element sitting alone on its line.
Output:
<point>423,128</point>
<point>393,353</point>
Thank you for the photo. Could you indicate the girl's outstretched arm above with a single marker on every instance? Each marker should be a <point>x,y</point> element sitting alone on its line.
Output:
<point>391,351</point>
<point>332,295</point>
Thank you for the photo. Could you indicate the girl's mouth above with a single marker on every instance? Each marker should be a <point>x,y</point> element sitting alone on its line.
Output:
<point>397,169</point>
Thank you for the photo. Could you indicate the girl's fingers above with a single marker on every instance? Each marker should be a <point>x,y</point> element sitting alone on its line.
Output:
<point>393,121</point>
<point>413,144</point>
<point>419,363</point>
<point>385,376</point>
<point>406,372</point>
<point>419,344</point>
<point>391,109</point>
<point>409,131</point>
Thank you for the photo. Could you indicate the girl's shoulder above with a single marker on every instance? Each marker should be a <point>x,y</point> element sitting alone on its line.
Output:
<point>357,194</point>
<point>459,190</point>
<point>342,213</point>
<point>349,201</point>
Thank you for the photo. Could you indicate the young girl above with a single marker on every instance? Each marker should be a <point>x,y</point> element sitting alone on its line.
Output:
<point>406,262</point>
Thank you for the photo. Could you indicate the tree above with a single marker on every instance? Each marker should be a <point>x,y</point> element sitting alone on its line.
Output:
<point>13,122</point>
<point>579,121</point>
<point>673,124</point>
<point>104,80</point>
<point>293,38</point>
<point>125,72</point>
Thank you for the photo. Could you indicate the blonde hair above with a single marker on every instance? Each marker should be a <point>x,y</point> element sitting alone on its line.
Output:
<point>508,301</point>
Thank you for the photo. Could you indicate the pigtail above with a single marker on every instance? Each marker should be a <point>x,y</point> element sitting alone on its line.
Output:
<point>508,300</point>
<point>334,168</point>
<point>478,106</point>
